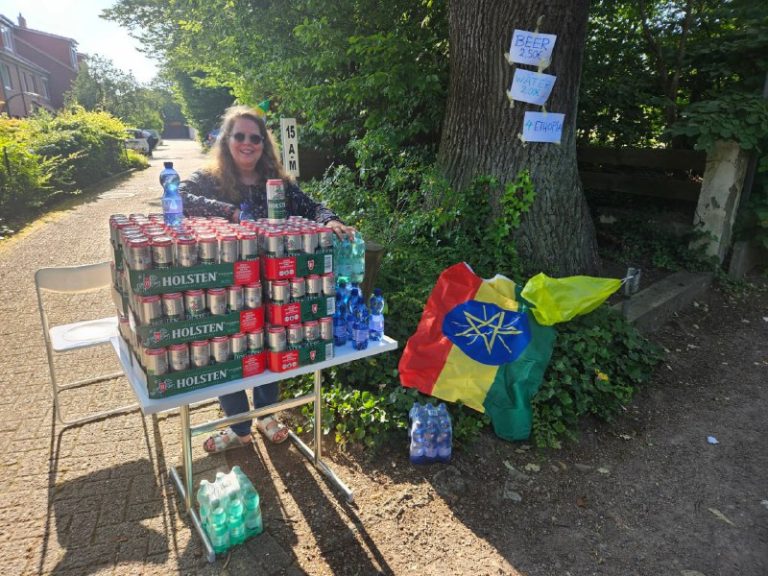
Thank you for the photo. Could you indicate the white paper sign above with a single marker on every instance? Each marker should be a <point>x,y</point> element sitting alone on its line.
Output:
<point>290,141</point>
<point>531,87</point>
<point>532,48</point>
<point>543,127</point>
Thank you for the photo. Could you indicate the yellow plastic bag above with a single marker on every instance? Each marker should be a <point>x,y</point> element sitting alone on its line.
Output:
<point>561,299</point>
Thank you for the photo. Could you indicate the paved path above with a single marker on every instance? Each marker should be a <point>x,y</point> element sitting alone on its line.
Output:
<point>93,499</point>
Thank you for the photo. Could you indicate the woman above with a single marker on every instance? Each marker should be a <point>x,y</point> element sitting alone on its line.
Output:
<point>243,158</point>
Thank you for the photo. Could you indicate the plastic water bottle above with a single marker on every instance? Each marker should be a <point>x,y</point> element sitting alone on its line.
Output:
<point>444,434</point>
<point>376,322</point>
<point>219,530</point>
<point>340,329</point>
<point>430,434</point>
<point>173,208</point>
<point>236,522</point>
<point>416,431</point>
<point>357,259</point>
<point>360,330</point>
<point>353,300</point>
<point>253,522</point>
<point>342,252</point>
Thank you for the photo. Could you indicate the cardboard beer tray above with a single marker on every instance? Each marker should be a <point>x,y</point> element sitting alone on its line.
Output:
<point>303,311</point>
<point>205,328</point>
<point>161,281</point>
<point>299,265</point>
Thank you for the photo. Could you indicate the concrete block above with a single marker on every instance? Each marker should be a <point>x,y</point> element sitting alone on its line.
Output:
<point>745,257</point>
<point>650,308</point>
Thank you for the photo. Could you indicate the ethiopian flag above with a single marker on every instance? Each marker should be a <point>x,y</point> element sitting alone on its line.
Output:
<point>477,344</point>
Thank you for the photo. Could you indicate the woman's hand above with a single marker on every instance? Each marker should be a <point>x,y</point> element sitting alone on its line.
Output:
<point>341,230</point>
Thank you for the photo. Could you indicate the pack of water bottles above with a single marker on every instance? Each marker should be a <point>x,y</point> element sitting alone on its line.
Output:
<point>230,510</point>
<point>355,321</point>
<point>431,433</point>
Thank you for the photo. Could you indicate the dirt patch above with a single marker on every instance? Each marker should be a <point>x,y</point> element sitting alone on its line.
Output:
<point>675,485</point>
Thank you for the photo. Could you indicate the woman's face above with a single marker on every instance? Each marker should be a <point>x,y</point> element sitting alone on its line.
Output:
<point>245,152</point>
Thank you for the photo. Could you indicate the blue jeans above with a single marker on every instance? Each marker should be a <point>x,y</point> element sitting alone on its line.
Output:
<point>237,403</point>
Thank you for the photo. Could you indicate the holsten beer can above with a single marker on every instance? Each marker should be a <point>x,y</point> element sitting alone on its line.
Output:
<point>228,248</point>
<point>186,251</point>
<point>314,285</point>
<point>194,302</point>
<point>216,299</point>
<point>252,296</point>
<point>311,330</point>
<point>139,254</point>
<point>178,357</point>
<point>162,252</point>
<point>208,248</point>
<point>328,284</point>
<point>150,309</point>
<point>234,298</point>
<point>249,245</point>
<point>173,306</point>
<point>276,338</point>
<point>239,344</point>
<point>295,335</point>
<point>281,292</point>
<point>200,353</point>
<point>221,349</point>
<point>156,361</point>
<point>276,211</point>
<point>298,288</point>
<point>326,328</point>
<point>256,341</point>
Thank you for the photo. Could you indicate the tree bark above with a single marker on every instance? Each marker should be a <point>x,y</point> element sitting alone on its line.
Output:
<point>480,129</point>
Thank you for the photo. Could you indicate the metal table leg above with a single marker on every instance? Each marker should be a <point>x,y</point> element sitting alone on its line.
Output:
<point>316,455</point>
<point>186,487</point>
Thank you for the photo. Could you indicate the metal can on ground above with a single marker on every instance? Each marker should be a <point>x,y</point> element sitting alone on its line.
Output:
<point>216,300</point>
<point>156,361</point>
<point>276,338</point>
<point>178,357</point>
<point>200,353</point>
<point>173,306</point>
<point>221,349</point>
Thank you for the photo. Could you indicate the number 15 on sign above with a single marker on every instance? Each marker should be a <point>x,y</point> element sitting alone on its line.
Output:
<point>290,141</point>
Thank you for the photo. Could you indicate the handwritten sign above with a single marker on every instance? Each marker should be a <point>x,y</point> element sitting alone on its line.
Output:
<point>532,48</point>
<point>290,141</point>
<point>543,127</point>
<point>531,87</point>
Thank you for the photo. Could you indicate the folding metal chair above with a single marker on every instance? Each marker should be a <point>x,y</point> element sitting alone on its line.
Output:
<point>77,335</point>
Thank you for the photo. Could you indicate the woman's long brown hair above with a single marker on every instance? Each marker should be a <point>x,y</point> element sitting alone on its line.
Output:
<point>222,166</point>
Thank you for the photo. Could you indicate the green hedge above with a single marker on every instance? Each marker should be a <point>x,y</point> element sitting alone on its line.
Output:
<point>48,156</point>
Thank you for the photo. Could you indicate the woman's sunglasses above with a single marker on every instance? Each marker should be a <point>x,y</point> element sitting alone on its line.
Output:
<point>254,138</point>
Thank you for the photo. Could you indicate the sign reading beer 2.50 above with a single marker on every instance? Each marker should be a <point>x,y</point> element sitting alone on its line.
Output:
<point>290,141</point>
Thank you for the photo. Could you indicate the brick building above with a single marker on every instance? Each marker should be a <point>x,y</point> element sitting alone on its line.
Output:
<point>36,68</point>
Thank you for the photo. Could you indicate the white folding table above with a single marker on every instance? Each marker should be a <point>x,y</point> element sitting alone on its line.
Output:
<point>183,401</point>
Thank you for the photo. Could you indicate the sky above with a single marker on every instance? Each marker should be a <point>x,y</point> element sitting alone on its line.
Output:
<point>79,19</point>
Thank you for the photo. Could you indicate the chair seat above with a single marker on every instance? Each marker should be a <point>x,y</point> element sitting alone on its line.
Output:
<point>82,334</point>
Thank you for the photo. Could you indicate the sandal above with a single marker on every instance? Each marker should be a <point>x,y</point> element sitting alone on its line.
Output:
<point>272,429</point>
<point>224,440</point>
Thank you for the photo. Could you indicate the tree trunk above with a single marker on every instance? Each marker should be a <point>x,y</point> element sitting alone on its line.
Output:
<point>480,129</point>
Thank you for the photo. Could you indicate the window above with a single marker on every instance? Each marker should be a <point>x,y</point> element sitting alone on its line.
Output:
<point>44,88</point>
<point>5,32</point>
<point>73,54</point>
<point>5,72</point>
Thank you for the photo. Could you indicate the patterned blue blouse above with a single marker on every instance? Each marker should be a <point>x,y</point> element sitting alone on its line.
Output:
<point>201,193</point>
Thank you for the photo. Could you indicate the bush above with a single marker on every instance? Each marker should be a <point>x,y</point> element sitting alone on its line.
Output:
<point>45,156</point>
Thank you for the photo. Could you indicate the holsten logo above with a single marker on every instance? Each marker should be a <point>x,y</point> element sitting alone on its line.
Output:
<point>188,279</point>
<point>187,331</point>
<point>190,381</point>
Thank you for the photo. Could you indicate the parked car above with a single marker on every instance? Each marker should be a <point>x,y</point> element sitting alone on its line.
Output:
<point>135,139</point>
